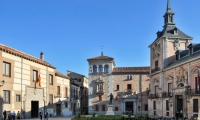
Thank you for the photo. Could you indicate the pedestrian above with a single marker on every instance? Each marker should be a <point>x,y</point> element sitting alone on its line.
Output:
<point>40,115</point>
<point>9,116</point>
<point>46,116</point>
<point>13,115</point>
<point>18,115</point>
<point>181,113</point>
<point>4,114</point>
<point>177,114</point>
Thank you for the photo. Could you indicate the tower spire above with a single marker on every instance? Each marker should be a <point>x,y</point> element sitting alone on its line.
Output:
<point>169,15</point>
<point>101,50</point>
<point>168,5</point>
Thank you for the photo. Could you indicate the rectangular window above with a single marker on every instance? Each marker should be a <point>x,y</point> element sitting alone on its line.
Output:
<point>50,99</point>
<point>156,87</point>
<point>6,69</point>
<point>156,64</point>
<point>50,79</point>
<point>146,107</point>
<point>167,113</point>
<point>197,87</point>
<point>6,96</point>
<point>100,98</point>
<point>35,75</point>
<point>103,108</point>
<point>97,107</point>
<point>116,108</point>
<point>117,87</point>
<point>167,104</point>
<point>66,104</point>
<point>195,105</point>
<point>129,87</point>
<point>154,105</point>
<point>66,92</point>
<point>17,98</point>
<point>58,90</point>
<point>169,87</point>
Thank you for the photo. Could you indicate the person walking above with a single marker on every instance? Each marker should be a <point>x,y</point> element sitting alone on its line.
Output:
<point>4,114</point>
<point>10,116</point>
<point>13,115</point>
<point>181,113</point>
<point>40,115</point>
<point>46,116</point>
<point>18,115</point>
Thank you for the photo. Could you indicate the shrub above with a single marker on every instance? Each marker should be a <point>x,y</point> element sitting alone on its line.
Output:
<point>79,115</point>
<point>83,113</point>
<point>129,114</point>
<point>93,115</point>
<point>146,116</point>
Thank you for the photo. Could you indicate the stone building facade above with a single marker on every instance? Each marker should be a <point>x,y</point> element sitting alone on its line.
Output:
<point>128,85</point>
<point>82,82</point>
<point>174,71</point>
<point>19,89</point>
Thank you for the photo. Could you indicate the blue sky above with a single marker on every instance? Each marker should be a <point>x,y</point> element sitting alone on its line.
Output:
<point>71,31</point>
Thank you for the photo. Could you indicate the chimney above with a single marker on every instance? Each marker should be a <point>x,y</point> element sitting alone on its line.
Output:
<point>42,56</point>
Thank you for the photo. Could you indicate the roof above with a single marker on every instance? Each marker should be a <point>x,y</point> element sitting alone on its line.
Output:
<point>184,59</point>
<point>62,75</point>
<point>144,70</point>
<point>102,57</point>
<point>75,73</point>
<point>18,53</point>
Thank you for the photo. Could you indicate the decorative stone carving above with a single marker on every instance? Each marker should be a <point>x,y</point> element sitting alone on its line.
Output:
<point>156,50</point>
<point>195,70</point>
<point>176,45</point>
<point>181,76</point>
<point>169,78</point>
<point>155,82</point>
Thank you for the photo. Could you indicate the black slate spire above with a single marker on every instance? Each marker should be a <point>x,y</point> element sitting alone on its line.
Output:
<point>169,15</point>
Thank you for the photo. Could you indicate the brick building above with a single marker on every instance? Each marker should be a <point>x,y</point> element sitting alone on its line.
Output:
<point>128,85</point>
<point>174,66</point>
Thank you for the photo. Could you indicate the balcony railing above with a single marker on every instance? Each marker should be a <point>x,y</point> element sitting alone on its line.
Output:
<point>99,91</point>
<point>167,94</point>
<point>155,69</point>
<point>192,92</point>
<point>152,96</point>
<point>128,91</point>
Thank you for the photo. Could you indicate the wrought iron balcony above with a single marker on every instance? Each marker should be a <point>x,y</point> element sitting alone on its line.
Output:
<point>153,96</point>
<point>155,69</point>
<point>99,91</point>
<point>167,94</point>
<point>192,92</point>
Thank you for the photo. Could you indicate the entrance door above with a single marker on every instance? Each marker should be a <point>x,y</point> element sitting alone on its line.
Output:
<point>34,109</point>
<point>58,109</point>
<point>129,107</point>
<point>179,101</point>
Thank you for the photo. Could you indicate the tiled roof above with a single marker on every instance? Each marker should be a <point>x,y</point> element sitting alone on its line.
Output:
<point>18,53</point>
<point>131,70</point>
<point>102,57</point>
<point>62,75</point>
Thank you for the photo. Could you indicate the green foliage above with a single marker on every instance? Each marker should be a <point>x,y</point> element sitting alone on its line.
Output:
<point>93,115</point>
<point>79,115</point>
<point>129,114</point>
<point>146,116</point>
<point>83,113</point>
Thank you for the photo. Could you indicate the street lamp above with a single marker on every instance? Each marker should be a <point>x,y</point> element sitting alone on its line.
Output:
<point>2,83</point>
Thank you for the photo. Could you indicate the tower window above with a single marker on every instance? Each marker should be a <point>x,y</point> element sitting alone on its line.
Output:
<point>100,68</point>
<point>94,68</point>
<point>106,68</point>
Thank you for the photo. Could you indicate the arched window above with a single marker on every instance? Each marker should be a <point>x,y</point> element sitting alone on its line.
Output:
<point>106,68</point>
<point>100,68</point>
<point>94,69</point>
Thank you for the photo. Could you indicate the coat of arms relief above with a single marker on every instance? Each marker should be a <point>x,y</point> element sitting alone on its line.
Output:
<point>181,77</point>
